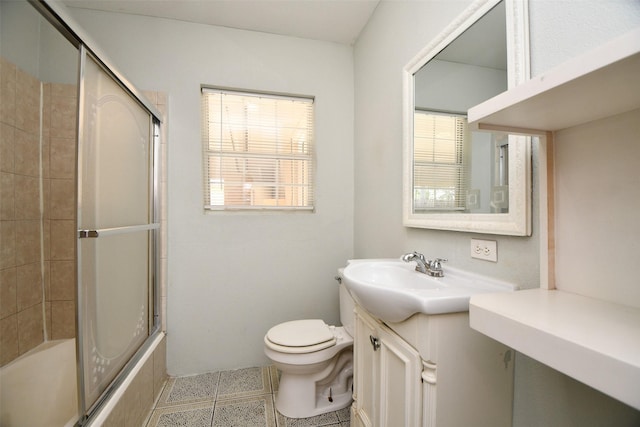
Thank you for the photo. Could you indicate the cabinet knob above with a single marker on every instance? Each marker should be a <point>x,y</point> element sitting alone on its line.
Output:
<point>375,343</point>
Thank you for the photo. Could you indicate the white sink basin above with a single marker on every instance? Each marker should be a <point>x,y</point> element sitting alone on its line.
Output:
<point>393,291</point>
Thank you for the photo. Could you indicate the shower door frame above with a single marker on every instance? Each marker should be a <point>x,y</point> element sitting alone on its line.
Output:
<point>58,17</point>
<point>153,325</point>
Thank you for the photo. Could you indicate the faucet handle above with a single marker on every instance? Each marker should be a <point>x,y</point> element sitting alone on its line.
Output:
<point>436,264</point>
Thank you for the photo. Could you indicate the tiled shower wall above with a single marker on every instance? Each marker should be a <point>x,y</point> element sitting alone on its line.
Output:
<point>37,211</point>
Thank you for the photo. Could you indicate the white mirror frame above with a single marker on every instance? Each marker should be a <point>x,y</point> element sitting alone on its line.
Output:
<point>517,222</point>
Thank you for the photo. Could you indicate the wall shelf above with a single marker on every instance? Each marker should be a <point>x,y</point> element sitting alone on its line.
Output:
<point>596,342</point>
<point>583,336</point>
<point>601,83</point>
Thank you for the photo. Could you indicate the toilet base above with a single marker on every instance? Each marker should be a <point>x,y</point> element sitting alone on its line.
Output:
<point>300,396</point>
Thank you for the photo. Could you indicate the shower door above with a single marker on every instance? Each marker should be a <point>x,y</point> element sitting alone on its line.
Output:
<point>116,228</point>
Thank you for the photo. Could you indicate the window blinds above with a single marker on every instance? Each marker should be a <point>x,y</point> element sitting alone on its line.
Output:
<point>439,165</point>
<point>258,151</point>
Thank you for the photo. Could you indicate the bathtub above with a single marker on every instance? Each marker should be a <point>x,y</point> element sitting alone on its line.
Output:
<point>39,388</point>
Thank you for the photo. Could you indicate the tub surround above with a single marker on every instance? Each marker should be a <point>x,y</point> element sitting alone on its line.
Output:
<point>38,257</point>
<point>31,234</point>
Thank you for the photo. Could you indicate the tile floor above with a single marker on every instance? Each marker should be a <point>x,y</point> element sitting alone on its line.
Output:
<point>240,398</point>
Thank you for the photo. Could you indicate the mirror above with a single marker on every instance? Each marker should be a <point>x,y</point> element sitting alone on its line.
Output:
<point>456,179</point>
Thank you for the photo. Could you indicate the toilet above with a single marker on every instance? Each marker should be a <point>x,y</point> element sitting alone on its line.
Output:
<point>316,362</point>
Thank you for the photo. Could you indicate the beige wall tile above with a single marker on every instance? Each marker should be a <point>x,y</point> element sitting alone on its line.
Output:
<point>27,241</point>
<point>163,312</point>
<point>163,163</point>
<point>139,396</point>
<point>8,289</point>
<point>63,280</point>
<point>47,317</point>
<point>62,158</point>
<point>7,196</point>
<point>46,110</point>
<point>159,367</point>
<point>27,102</point>
<point>162,109</point>
<point>63,205</point>
<point>151,96</point>
<point>8,339</point>
<point>162,239</point>
<point>63,117</point>
<point>8,246</point>
<point>116,416</point>
<point>61,90</point>
<point>7,92</point>
<point>27,197</point>
<point>29,282</point>
<point>47,280</point>
<point>26,153</point>
<point>63,319</point>
<point>63,239</point>
<point>7,142</point>
<point>46,239</point>
<point>162,99</point>
<point>46,198</point>
<point>46,156</point>
<point>30,328</point>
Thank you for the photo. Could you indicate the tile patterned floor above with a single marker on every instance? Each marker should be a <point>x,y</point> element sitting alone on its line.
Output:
<point>240,398</point>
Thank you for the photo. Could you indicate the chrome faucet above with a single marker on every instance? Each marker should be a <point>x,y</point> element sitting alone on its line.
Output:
<point>421,263</point>
<point>430,267</point>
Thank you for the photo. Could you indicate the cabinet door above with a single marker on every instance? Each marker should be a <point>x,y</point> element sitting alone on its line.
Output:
<point>366,367</point>
<point>400,381</point>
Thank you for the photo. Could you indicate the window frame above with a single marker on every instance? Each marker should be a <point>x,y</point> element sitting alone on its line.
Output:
<point>300,155</point>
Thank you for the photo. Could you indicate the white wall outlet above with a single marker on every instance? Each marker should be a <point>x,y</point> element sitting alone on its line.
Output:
<point>484,249</point>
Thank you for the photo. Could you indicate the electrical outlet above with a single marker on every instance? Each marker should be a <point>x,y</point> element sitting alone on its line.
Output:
<point>484,249</point>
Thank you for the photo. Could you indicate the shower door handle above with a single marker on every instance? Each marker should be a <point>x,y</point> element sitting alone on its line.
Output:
<point>84,234</point>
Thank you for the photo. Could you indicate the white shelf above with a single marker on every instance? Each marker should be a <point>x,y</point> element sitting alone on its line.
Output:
<point>593,341</point>
<point>601,83</point>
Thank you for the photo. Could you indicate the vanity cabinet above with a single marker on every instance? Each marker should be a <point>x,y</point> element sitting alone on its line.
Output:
<point>388,380</point>
<point>429,371</point>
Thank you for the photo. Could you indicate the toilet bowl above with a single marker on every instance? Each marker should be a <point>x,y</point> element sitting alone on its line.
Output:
<point>316,363</point>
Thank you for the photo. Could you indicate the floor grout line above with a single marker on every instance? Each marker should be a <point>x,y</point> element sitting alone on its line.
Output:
<point>200,401</point>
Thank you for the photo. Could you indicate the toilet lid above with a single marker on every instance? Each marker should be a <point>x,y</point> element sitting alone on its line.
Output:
<point>302,333</point>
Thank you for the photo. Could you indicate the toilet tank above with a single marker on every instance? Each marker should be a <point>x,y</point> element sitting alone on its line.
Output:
<point>347,305</point>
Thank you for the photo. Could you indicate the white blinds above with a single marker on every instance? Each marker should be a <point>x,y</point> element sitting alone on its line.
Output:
<point>439,172</point>
<point>258,151</point>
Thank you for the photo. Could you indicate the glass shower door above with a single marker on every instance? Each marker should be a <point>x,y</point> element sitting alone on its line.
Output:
<point>116,227</point>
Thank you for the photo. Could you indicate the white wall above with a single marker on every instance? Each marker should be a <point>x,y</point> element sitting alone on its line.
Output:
<point>233,276</point>
<point>396,32</point>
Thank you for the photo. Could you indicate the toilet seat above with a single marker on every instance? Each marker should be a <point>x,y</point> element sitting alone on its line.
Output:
<point>300,336</point>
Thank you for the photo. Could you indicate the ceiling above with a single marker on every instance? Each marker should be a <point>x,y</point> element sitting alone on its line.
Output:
<point>339,21</point>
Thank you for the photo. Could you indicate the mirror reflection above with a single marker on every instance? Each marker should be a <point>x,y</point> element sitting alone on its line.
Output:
<point>453,178</point>
<point>455,170</point>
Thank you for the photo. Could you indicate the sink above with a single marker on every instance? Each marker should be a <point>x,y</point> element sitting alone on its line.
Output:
<point>393,291</point>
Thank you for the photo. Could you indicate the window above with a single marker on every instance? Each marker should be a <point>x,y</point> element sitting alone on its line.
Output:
<point>258,151</point>
<point>439,172</point>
